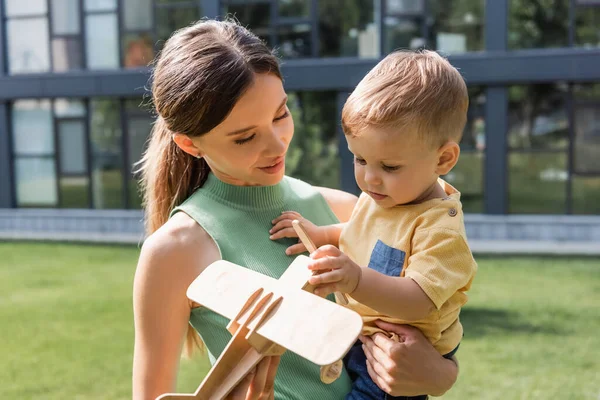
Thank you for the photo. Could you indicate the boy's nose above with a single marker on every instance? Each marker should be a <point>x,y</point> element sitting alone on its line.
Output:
<point>372,178</point>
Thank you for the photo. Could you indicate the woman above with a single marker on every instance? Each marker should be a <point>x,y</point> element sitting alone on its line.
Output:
<point>215,165</point>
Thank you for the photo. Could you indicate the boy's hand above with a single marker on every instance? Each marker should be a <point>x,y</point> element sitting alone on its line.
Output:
<point>282,228</point>
<point>336,271</point>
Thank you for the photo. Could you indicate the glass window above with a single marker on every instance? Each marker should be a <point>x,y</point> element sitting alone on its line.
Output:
<point>403,33</point>
<point>395,7</point>
<point>467,176</point>
<point>67,108</point>
<point>105,138</point>
<point>587,138</point>
<point>586,195</point>
<point>255,16</point>
<point>538,24</point>
<point>537,183</point>
<point>137,14</point>
<point>36,182</point>
<point>313,153</point>
<point>19,8</point>
<point>138,50</point>
<point>33,133</point>
<point>138,130</point>
<point>457,26</point>
<point>294,8</point>
<point>348,31</point>
<point>538,117</point>
<point>169,20</point>
<point>102,48</point>
<point>72,147</point>
<point>65,17</point>
<point>294,41</point>
<point>587,26</point>
<point>28,46</point>
<point>74,192</point>
<point>100,5</point>
<point>66,54</point>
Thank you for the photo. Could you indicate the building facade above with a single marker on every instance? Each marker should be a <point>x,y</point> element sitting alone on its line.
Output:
<point>75,107</point>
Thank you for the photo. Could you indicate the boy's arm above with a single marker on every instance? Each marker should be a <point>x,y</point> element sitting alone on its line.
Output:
<point>398,297</point>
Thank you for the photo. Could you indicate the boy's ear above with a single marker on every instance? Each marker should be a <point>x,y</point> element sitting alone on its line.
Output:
<point>447,157</point>
<point>185,143</point>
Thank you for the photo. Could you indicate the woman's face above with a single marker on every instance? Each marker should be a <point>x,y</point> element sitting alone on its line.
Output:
<point>248,148</point>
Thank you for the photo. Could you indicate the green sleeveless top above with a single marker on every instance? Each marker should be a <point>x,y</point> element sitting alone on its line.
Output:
<point>238,218</point>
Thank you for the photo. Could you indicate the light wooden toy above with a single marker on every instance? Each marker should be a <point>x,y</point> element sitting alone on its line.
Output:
<point>267,317</point>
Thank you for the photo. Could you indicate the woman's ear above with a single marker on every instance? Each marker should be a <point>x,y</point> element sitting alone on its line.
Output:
<point>186,144</point>
<point>447,157</point>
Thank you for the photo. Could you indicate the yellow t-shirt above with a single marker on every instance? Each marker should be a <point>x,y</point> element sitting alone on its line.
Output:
<point>425,242</point>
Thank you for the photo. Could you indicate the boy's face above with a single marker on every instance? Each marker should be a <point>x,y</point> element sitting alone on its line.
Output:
<point>393,168</point>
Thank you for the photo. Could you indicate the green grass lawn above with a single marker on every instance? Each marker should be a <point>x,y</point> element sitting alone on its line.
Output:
<point>531,327</point>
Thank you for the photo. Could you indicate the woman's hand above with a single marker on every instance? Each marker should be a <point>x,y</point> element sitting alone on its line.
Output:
<point>282,228</point>
<point>258,384</point>
<point>410,367</point>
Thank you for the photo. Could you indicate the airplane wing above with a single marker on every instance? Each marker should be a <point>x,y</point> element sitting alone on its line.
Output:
<point>310,326</point>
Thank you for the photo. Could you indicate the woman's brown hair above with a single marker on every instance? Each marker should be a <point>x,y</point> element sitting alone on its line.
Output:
<point>200,74</point>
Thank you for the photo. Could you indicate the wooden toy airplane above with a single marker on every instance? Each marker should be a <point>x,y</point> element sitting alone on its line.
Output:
<point>267,317</point>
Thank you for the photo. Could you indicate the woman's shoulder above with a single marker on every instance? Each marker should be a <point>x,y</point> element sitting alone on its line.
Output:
<point>177,252</point>
<point>341,203</point>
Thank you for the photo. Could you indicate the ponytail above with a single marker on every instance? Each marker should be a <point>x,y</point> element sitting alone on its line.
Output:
<point>169,176</point>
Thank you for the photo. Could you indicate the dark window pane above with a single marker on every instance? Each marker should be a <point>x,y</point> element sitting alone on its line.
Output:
<point>36,182</point>
<point>537,183</point>
<point>138,130</point>
<point>18,8</point>
<point>32,129</point>
<point>72,147</point>
<point>348,30</point>
<point>74,192</point>
<point>313,153</point>
<point>586,195</point>
<point>538,117</point>
<point>294,41</point>
<point>138,50</point>
<point>68,108</point>
<point>169,20</point>
<point>399,7</point>
<point>587,26</point>
<point>294,8</point>
<point>65,17</point>
<point>66,54</point>
<point>28,46</point>
<point>107,179</point>
<point>457,25</point>
<point>538,24</point>
<point>587,138</point>
<point>467,177</point>
<point>102,46</point>
<point>256,17</point>
<point>100,5</point>
<point>474,134</point>
<point>137,14</point>
<point>402,33</point>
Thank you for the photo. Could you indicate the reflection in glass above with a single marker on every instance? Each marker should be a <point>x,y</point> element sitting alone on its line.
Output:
<point>256,17</point>
<point>72,147</point>
<point>457,26</point>
<point>537,183</point>
<point>170,19</point>
<point>74,192</point>
<point>138,50</point>
<point>138,131</point>
<point>536,24</point>
<point>65,17</point>
<point>137,14</point>
<point>313,153</point>
<point>66,54</point>
<point>348,31</point>
<point>587,138</point>
<point>32,129</point>
<point>467,177</point>
<point>28,45</point>
<point>538,117</point>
<point>293,8</point>
<point>20,8</point>
<point>36,182</point>
<point>404,6</point>
<point>587,26</point>
<point>105,137</point>
<point>294,41</point>
<point>102,46</point>
<point>402,33</point>
<point>100,5</point>
<point>69,108</point>
<point>586,195</point>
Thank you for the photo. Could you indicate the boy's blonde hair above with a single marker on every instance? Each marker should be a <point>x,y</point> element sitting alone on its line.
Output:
<point>414,91</point>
